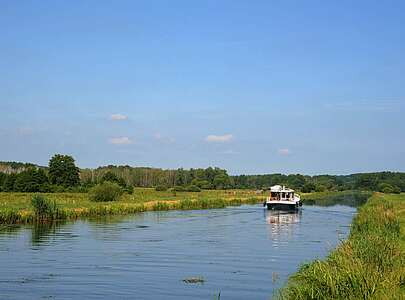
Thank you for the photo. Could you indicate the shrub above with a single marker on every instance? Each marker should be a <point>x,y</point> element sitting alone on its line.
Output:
<point>387,188</point>
<point>193,188</point>
<point>308,187</point>
<point>129,189</point>
<point>106,191</point>
<point>178,188</point>
<point>159,206</point>
<point>161,188</point>
<point>44,208</point>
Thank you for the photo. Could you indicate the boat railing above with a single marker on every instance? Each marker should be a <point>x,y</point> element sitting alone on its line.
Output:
<point>279,199</point>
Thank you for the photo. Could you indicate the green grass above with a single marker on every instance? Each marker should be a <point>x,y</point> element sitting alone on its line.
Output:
<point>369,265</point>
<point>16,207</point>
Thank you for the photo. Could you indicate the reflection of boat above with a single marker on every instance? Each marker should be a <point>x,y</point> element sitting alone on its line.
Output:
<point>282,217</point>
<point>282,223</point>
<point>282,198</point>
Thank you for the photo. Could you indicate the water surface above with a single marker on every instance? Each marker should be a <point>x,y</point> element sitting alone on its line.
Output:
<point>242,252</point>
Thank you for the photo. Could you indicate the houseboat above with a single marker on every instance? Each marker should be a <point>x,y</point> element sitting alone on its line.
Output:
<point>282,198</point>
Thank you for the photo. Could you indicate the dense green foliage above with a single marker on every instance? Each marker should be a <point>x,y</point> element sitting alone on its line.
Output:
<point>63,176</point>
<point>106,191</point>
<point>209,178</point>
<point>63,171</point>
<point>369,265</point>
<point>31,180</point>
<point>161,188</point>
<point>320,183</point>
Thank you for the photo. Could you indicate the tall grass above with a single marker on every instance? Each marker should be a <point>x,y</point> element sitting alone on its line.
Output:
<point>46,210</point>
<point>369,265</point>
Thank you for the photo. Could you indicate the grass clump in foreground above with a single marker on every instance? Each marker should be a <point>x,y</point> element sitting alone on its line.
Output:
<point>45,210</point>
<point>369,265</point>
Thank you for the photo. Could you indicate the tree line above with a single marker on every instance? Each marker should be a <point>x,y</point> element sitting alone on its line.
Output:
<point>62,174</point>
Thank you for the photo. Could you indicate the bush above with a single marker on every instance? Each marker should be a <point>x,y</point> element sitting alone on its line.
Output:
<point>193,188</point>
<point>387,188</point>
<point>308,187</point>
<point>320,188</point>
<point>44,208</point>
<point>202,184</point>
<point>106,191</point>
<point>129,189</point>
<point>178,188</point>
<point>161,188</point>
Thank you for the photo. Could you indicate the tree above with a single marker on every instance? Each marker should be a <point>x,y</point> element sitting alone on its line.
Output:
<point>8,185</point>
<point>109,176</point>
<point>63,171</point>
<point>31,180</point>
<point>221,181</point>
<point>3,177</point>
<point>387,188</point>
<point>308,187</point>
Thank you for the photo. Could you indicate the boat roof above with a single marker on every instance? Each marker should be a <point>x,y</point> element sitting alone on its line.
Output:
<point>280,189</point>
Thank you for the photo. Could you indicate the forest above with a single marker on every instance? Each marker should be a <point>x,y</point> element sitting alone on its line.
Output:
<point>62,175</point>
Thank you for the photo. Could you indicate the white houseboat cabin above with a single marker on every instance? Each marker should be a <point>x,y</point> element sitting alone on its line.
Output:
<point>282,198</point>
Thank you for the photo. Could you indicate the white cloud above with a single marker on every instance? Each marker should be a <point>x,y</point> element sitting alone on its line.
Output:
<point>284,151</point>
<point>219,138</point>
<point>118,117</point>
<point>123,140</point>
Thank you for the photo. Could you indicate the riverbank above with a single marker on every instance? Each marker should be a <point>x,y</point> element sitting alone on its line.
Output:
<point>369,265</point>
<point>16,208</point>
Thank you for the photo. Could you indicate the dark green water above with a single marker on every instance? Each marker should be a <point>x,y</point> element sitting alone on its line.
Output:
<point>243,252</point>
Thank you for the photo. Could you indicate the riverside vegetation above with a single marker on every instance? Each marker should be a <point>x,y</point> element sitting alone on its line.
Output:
<point>370,264</point>
<point>22,208</point>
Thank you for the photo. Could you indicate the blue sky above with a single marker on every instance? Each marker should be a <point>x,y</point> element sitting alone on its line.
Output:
<point>251,86</point>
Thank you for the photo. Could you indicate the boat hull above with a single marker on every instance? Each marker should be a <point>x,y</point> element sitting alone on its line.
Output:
<point>283,206</point>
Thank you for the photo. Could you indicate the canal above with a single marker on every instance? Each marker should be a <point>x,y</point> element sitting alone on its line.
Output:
<point>241,252</point>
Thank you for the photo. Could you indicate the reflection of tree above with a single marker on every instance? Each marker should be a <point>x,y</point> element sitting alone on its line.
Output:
<point>353,199</point>
<point>8,229</point>
<point>41,232</point>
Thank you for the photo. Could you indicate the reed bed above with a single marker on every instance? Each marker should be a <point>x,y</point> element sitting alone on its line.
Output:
<point>16,208</point>
<point>369,265</point>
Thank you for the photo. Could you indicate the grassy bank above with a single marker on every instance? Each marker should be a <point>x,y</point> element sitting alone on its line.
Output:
<point>17,208</point>
<point>369,265</point>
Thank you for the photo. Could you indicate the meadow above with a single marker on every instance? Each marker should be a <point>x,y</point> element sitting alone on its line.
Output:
<point>370,264</point>
<point>17,208</point>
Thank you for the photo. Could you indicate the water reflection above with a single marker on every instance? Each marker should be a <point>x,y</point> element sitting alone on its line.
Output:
<point>282,223</point>
<point>41,233</point>
<point>9,229</point>
<point>350,198</point>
